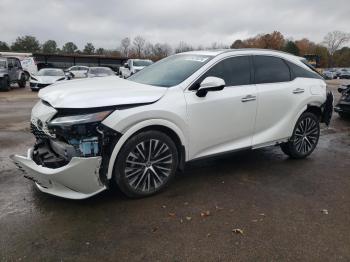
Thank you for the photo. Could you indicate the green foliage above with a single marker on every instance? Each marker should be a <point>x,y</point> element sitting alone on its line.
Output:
<point>69,48</point>
<point>89,49</point>
<point>291,47</point>
<point>4,46</point>
<point>26,44</point>
<point>50,47</point>
<point>100,51</point>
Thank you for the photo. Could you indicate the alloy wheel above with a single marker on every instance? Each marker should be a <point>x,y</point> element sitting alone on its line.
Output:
<point>148,165</point>
<point>306,135</point>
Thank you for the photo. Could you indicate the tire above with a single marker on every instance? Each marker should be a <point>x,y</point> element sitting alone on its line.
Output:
<point>343,115</point>
<point>138,175</point>
<point>5,83</point>
<point>305,137</point>
<point>22,82</point>
<point>27,75</point>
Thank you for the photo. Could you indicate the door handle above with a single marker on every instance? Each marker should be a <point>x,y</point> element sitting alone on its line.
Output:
<point>248,98</point>
<point>298,91</point>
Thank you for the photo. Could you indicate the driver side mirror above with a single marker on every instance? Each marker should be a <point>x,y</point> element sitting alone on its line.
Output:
<point>210,84</point>
<point>127,66</point>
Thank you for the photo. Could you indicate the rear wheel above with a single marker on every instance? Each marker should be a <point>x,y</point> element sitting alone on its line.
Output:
<point>5,83</point>
<point>305,137</point>
<point>146,164</point>
<point>22,81</point>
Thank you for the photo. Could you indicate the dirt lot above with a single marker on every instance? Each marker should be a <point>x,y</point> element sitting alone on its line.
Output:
<point>287,210</point>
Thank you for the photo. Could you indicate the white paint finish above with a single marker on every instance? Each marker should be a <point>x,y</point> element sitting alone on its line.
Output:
<point>77,180</point>
<point>46,79</point>
<point>220,121</point>
<point>99,92</point>
<point>216,123</point>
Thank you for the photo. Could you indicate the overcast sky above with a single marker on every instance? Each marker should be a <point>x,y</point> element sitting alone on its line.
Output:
<point>106,22</point>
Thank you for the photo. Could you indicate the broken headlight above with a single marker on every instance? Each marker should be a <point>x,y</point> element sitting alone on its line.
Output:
<point>79,119</point>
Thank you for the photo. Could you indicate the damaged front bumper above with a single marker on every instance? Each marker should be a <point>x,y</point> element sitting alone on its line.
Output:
<point>79,179</point>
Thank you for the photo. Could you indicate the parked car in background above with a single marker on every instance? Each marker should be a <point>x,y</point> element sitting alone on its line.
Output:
<point>77,71</point>
<point>11,72</point>
<point>99,72</point>
<point>45,77</point>
<point>344,73</point>
<point>343,106</point>
<point>27,60</point>
<point>138,132</point>
<point>328,74</point>
<point>133,66</point>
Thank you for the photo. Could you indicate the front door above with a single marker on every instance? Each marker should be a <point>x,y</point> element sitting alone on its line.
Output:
<point>223,120</point>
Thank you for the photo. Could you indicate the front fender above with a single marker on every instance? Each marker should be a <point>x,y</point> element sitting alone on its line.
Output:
<point>131,131</point>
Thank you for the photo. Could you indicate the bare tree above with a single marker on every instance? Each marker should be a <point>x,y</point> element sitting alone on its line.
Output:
<point>335,40</point>
<point>148,50</point>
<point>125,44</point>
<point>183,47</point>
<point>162,50</point>
<point>139,43</point>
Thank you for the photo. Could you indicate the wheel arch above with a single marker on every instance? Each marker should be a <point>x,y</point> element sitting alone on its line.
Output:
<point>165,126</point>
<point>315,108</point>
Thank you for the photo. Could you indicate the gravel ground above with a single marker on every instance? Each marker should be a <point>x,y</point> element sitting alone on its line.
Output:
<point>249,206</point>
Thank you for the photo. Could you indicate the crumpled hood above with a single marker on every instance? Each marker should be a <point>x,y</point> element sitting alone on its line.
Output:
<point>99,92</point>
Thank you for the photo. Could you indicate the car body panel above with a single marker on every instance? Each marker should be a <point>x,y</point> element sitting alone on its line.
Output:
<point>79,179</point>
<point>279,105</point>
<point>225,109</point>
<point>99,92</point>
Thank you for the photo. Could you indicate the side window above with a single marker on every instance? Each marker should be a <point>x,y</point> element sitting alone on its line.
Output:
<point>17,63</point>
<point>10,62</point>
<point>269,69</point>
<point>235,71</point>
<point>298,71</point>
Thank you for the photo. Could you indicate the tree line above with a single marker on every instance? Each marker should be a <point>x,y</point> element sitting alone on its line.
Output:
<point>332,50</point>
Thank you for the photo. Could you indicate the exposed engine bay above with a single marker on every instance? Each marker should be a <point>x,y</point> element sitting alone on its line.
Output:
<point>58,142</point>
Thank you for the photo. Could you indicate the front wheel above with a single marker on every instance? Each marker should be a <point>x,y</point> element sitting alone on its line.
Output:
<point>146,164</point>
<point>305,137</point>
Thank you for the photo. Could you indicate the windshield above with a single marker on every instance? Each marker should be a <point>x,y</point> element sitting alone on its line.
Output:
<point>101,71</point>
<point>2,64</point>
<point>142,62</point>
<point>51,72</point>
<point>170,71</point>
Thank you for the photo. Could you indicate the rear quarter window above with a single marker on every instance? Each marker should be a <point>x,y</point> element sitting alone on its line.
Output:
<point>298,71</point>
<point>269,69</point>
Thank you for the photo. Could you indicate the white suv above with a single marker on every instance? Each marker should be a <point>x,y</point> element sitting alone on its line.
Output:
<point>139,132</point>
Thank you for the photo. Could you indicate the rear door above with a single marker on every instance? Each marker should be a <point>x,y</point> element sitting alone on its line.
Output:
<point>279,99</point>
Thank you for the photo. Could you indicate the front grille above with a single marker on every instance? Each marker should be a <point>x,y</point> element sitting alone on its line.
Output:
<point>43,85</point>
<point>39,134</point>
